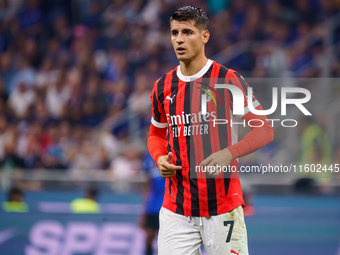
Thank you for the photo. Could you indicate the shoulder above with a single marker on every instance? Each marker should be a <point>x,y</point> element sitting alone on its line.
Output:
<point>224,72</point>
<point>162,79</point>
<point>227,72</point>
<point>158,87</point>
<point>231,73</point>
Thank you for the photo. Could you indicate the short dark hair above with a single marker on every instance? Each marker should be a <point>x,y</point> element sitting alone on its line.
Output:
<point>92,192</point>
<point>188,13</point>
<point>14,191</point>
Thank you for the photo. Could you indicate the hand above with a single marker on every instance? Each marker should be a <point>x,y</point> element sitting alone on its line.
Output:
<point>220,158</point>
<point>165,166</point>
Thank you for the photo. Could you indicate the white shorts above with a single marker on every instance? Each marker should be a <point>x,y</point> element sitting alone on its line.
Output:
<point>221,234</point>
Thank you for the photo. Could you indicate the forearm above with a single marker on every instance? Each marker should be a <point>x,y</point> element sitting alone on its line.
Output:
<point>257,138</point>
<point>157,142</point>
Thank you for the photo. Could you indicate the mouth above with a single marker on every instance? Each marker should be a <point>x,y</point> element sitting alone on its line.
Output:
<point>180,50</point>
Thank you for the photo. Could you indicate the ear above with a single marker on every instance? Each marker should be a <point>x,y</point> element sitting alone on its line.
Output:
<point>206,36</point>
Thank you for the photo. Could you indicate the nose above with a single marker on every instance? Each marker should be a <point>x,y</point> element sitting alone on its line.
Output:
<point>180,38</point>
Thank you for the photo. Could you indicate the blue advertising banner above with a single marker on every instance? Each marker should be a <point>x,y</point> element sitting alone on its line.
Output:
<point>69,234</point>
<point>281,225</point>
<point>50,228</point>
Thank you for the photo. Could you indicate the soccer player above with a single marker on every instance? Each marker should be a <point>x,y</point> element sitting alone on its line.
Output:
<point>153,201</point>
<point>185,139</point>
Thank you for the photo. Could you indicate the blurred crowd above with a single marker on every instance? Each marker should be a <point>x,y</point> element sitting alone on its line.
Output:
<point>68,65</point>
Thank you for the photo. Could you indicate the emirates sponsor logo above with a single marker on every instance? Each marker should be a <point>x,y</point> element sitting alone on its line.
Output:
<point>191,118</point>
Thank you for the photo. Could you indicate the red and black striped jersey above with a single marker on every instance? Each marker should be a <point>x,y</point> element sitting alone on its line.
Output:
<point>177,105</point>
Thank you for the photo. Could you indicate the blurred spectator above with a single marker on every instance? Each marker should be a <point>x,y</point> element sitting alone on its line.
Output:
<point>31,18</point>
<point>46,75</point>
<point>116,31</point>
<point>30,52</point>
<point>3,93</point>
<point>25,74</point>
<point>57,96</point>
<point>29,146</point>
<point>138,101</point>
<point>109,143</point>
<point>15,201</point>
<point>68,66</point>
<point>21,99</point>
<point>88,204</point>
<point>54,50</point>
<point>62,31</point>
<point>42,115</point>
<point>11,160</point>
<point>65,137</point>
<point>315,149</point>
<point>93,19</point>
<point>54,157</point>
<point>91,116</point>
<point>124,167</point>
<point>117,97</point>
<point>7,70</point>
<point>153,200</point>
<point>9,8</point>
<point>315,146</point>
<point>86,157</point>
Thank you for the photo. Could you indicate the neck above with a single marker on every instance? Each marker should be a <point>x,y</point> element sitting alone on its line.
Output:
<point>194,66</point>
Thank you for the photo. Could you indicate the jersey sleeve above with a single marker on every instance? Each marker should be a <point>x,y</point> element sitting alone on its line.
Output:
<point>158,115</point>
<point>261,132</point>
<point>157,141</point>
<point>237,80</point>
<point>260,135</point>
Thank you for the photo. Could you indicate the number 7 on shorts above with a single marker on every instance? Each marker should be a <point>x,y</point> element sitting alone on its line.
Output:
<point>231,223</point>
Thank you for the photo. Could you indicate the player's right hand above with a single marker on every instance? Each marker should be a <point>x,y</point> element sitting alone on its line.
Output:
<point>166,167</point>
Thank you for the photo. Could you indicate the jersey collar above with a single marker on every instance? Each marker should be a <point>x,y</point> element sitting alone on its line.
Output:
<point>196,75</point>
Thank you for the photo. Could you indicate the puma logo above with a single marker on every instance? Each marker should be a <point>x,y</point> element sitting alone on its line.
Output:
<point>234,252</point>
<point>170,98</point>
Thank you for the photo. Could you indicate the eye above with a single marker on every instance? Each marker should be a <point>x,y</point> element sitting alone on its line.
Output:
<point>188,33</point>
<point>174,33</point>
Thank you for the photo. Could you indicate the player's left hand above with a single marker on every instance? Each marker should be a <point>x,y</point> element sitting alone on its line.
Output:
<point>220,158</point>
